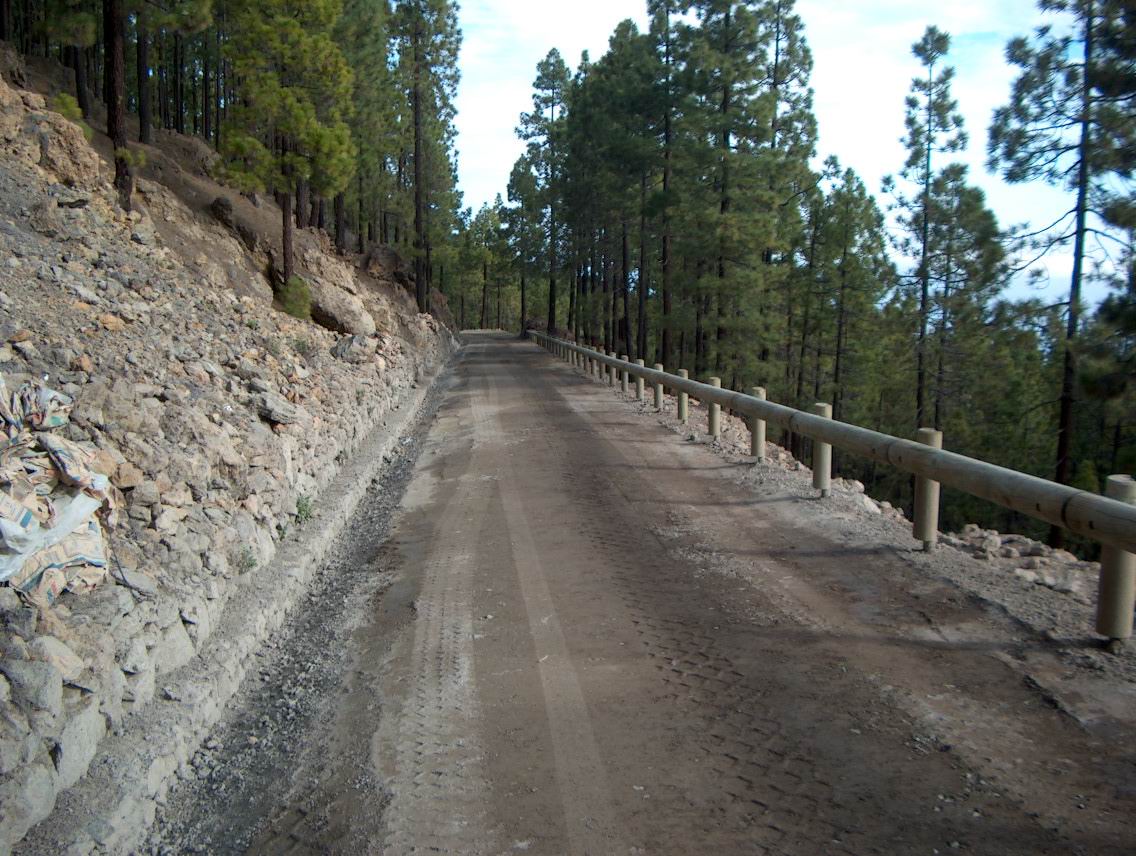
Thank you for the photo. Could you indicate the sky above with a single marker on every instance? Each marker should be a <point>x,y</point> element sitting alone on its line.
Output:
<point>862,72</point>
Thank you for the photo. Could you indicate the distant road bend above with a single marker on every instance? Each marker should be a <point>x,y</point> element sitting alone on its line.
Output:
<point>596,640</point>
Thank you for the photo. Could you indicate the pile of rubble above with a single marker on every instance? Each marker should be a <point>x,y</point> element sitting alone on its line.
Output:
<point>1029,560</point>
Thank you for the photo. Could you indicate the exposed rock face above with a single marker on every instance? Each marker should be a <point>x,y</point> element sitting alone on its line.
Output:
<point>212,413</point>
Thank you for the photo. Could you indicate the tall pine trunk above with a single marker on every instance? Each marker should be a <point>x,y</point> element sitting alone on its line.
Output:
<point>218,85</point>
<point>78,64</point>
<point>572,290</point>
<point>6,30</point>
<point>524,304</point>
<point>625,287</point>
<point>145,107</point>
<point>301,203</point>
<point>641,286</point>
<point>179,83</point>
<point>484,293</point>
<point>665,354</point>
<point>419,189</point>
<point>206,89</point>
<point>341,223</point>
<point>1064,469</point>
<point>286,235</point>
<point>552,270</point>
<point>115,37</point>
<point>841,337</point>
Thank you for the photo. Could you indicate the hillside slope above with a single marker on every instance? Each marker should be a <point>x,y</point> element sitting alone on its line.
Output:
<point>218,418</point>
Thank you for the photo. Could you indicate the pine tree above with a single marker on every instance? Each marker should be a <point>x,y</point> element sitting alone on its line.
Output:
<point>1052,131</point>
<point>542,129</point>
<point>289,125</point>
<point>934,126</point>
<point>429,40</point>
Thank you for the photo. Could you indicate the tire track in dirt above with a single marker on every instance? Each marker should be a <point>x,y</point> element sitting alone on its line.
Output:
<point>429,752</point>
<point>580,774</point>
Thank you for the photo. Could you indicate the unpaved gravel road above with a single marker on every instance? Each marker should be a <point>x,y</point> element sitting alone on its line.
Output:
<point>586,634</point>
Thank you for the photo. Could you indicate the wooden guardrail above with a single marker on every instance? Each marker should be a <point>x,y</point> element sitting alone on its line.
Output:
<point>1109,520</point>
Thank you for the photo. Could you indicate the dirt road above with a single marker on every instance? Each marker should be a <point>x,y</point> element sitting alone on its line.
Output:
<point>590,638</point>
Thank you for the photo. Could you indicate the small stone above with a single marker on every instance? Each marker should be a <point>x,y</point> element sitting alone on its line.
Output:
<point>174,650</point>
<point>140,582</point>
<point>35,684</point>
<point>83,363</point>
<point>128,476</point>
<point>27,350</point>
<point>146,493</point>
<point>48,649</point>
<point>112,322</point>
<point>78,742</point>
<point>277,409</point>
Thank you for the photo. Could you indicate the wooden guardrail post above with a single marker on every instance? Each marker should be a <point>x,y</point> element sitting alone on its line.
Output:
<point>611,370</point>
<point>658,389</point>
<point>757,429</point>
<point>926,527</point>
<point>822,455</point>
<point>1117,587</point>
<point>715,412</point>
<point>623,375</point>
<point>683,399</point>
<point>639,383</point>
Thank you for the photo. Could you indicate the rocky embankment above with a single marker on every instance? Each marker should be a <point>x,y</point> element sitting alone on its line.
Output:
<point>1027,560</point>
<point>220,420</point>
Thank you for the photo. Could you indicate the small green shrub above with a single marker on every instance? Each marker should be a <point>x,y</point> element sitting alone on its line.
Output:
<point>303,347</point>
<point>68,107</point>
<point>304,510</point>
<point>246,560</point>
<point>273,347</point>
<point>135,158</point>
<point>296,298</point>
<point>253,323</point>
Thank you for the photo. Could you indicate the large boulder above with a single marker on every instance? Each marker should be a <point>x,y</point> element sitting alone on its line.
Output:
<point>335,309</point>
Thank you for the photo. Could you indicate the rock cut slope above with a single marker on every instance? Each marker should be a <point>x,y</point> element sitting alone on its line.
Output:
<point>219,420</point>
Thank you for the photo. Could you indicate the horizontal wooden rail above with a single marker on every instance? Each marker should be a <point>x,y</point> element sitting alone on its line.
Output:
<point>1104,520</point>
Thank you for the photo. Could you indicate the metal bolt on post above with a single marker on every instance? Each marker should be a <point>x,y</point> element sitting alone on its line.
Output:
<point>757,429</point>
<point>822,455</point>
<point>683,400</point>
<point>658,389</point>
<point>926,527</point>
<point>639,383</point>
<point>715,411</point>
<point>623,376</point>
<point>1117,587</point>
